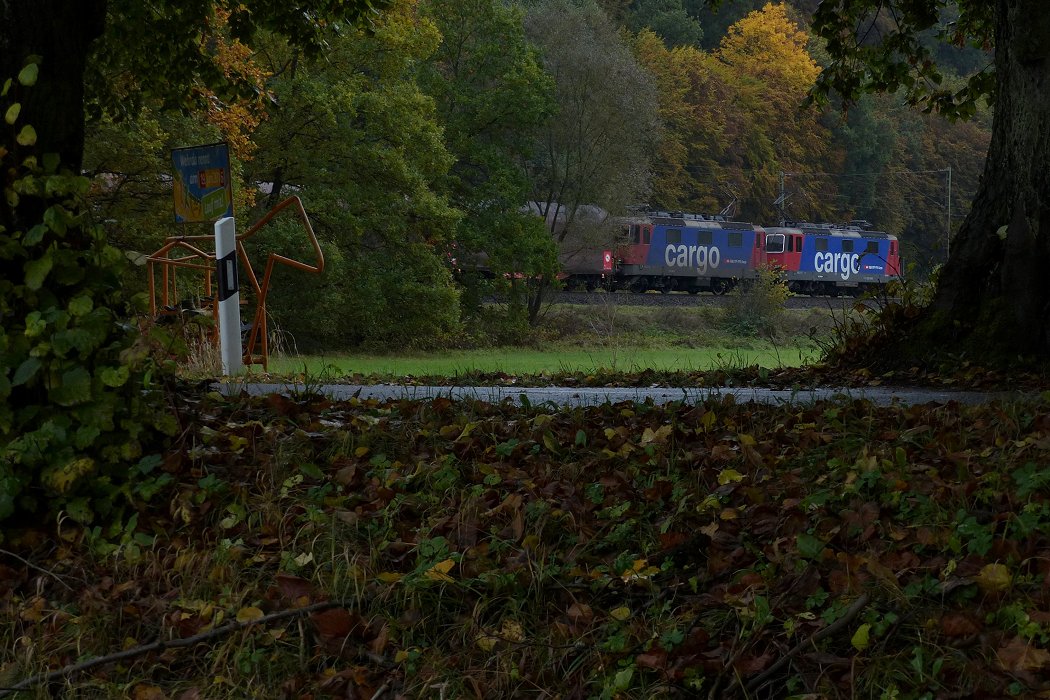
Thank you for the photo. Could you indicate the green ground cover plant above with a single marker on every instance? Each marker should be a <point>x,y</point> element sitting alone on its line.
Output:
<point>305,548</point>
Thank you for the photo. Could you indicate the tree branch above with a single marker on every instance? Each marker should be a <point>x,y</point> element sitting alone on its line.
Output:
<point>33,566</point>
<point>820,634</point>
<point>161,645</point>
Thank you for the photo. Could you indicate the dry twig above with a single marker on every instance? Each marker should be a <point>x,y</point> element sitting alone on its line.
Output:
<point>810,641</point>
<point>161,645</point>
<point>33,566</point>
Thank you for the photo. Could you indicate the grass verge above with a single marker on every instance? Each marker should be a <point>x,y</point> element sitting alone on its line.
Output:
<point>517,361</point>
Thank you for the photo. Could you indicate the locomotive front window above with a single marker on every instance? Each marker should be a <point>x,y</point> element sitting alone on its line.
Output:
<point>736,239</point>
<point>775,243</point>
<point>674,236</point>
<point>847,246</point>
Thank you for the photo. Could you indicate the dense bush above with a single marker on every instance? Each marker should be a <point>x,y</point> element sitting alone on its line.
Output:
<point>754,307</point>
<point>367,296</point>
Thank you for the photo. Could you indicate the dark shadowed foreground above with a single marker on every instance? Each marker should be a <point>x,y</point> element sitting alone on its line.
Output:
<point>297,547</point>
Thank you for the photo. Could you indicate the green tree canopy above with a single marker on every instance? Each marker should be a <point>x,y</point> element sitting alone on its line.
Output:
<point>669,19</point>
<point>492,96</point>
<point>357,139</point>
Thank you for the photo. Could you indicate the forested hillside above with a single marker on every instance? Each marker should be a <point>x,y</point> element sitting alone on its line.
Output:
<point>732,80</point>
<point>425,144</point>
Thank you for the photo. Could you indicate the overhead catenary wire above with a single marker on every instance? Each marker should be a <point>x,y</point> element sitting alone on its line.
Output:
<point>824,195</point>
<point>700,169</point>
<point>809,189</point>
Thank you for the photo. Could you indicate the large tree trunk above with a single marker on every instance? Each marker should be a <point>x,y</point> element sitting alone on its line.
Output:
<point>993,297</point>
<point>60,32</point>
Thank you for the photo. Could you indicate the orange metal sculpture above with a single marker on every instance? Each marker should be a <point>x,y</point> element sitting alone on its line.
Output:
<point>198,253</point>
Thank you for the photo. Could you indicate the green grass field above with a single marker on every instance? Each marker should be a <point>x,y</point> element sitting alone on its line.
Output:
<point>519,361</point>
<point>586,339</point>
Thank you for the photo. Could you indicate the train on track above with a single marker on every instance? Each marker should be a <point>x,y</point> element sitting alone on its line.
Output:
<point>676,251</point>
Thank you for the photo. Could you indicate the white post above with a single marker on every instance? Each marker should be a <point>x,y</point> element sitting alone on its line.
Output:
<point>228,297</point>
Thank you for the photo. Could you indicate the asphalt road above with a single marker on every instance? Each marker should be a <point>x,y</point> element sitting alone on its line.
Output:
<point>577,396</point>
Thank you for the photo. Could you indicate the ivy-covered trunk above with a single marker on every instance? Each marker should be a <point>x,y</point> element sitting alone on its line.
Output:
<point>77,417</point>
<point>60,32</point>
<point>994,292</point>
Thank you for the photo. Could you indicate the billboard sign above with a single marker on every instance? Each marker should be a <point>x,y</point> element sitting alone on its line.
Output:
<point>203,187</point>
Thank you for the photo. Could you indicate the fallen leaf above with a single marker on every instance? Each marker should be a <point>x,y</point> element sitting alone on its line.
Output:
<point>1018,655</point>
<point>336,623</point>
<point>148,692</point>
<point>378,645</point>
<point>294,588</point>
<point>249,614</point>
<point>486,642</point>
<point>550,442</point>
<point>753,664</point>
<point>439,571</point>
<point>729,476</point>
<point>467,430</point>
<point>660,435</point>
<point>809,546</point>
<point>656,661</point>
<point>512,631</point>
<point>957,624</point>
<point>994,578</point>
<point>580,612</point>
<point>346,476</point>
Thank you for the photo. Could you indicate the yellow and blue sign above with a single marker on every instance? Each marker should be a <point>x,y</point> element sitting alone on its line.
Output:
<point>203,187</point>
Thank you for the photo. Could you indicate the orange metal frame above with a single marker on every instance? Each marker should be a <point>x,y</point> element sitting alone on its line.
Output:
<point>193,253</point>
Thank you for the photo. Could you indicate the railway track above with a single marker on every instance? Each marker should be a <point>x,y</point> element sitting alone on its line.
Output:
<point>684,299</point>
